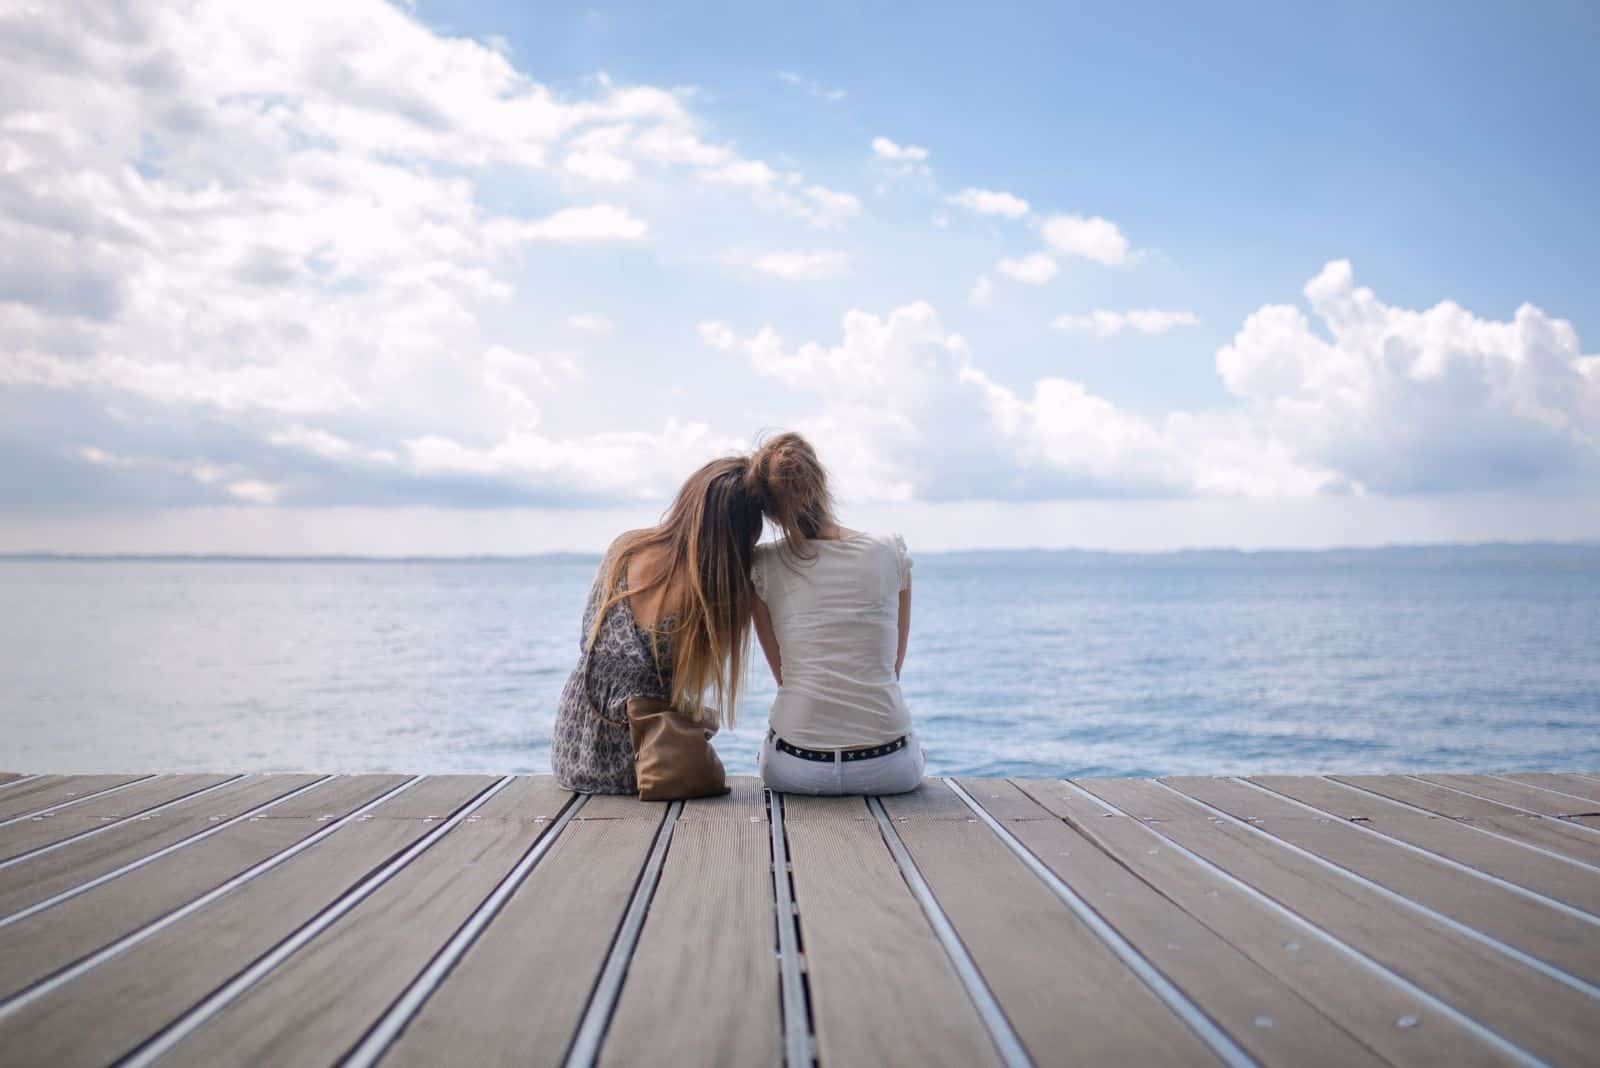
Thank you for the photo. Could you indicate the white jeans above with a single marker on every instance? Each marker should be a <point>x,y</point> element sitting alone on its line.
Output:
<point>894,773</point>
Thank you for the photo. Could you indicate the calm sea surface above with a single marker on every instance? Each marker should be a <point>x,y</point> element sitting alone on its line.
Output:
<point>1020,663</point>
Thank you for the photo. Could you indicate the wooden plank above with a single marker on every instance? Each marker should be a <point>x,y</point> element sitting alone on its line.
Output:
<point>1265,1016</point>
<point>1094,1011</point>
<point>532,798</point>
<point>20,838</point>
<point>933,800</point>
<point>747,801</point>
<point>35,878</point>
<point>882,988</point>
<point>112,1009</point>
<point>620,807</point>
<point>709,936</point>
<point>332,800</point>
<point>44,943</point>
<point>324,998</point>
<point>1566,784</point>
<point>1576,886</point>
<point>40,794</point>
<point>1528,798</point>
<point>147,794</point>
<point>1348,992</point>
<point>801,808</point>
<point>434,798</point>
<point>1544,1017</point>
<point>1565,941</point>
<point>1553,834</point>
<point>516,996</point>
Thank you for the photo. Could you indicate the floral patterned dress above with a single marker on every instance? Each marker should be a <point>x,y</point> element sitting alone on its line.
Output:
<point>590,750</point>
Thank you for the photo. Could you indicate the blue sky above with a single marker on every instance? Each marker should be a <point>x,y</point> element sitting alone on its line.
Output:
<point>467,277</point>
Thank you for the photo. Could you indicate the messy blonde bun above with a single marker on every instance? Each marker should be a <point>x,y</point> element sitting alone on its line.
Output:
<point>792,486</point>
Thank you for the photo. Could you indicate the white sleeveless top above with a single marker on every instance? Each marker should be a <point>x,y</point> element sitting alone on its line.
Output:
<point>836,617</point>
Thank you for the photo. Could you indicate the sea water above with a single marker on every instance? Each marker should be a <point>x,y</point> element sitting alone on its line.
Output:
<point>1020,664</point>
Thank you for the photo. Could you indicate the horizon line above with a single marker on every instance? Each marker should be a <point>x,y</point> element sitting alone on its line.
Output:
<point>399,558</point>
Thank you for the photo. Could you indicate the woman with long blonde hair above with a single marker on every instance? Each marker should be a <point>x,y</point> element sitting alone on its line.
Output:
<point>833,613</point>
<point>668,621</point>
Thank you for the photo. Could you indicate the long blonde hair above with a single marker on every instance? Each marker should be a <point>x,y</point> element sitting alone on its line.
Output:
<point>708,538</point>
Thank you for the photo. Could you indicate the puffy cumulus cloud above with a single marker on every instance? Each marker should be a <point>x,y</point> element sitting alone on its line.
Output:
<point>1392,401</point>
<point>903,161</point>
<point>1034,269</point>
<point>802,266</point>
<point>991,202</point>
<point>265,220</point>
<point>907,414</point>
<point>1403,401</point>
<point>1103,323</point>
<point>1091,238</point>
<point>886,149</point>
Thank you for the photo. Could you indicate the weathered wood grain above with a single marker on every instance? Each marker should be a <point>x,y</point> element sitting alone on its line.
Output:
<point>19,838</point>
<point>882,988</point>
<point>1348,992</point>
<point>1556,835</point>
<point>1263,1014</point>
<point>517,995</point>
<point>112,1009</point>
<point>1521,795</point>
<point>1565,941</point>
<point>323,999</point>
<point>1019,934</point>
<point>707,943</point>
<point>1576,886</point>
<point>1551,1020</point>
<point>1572,785</point>
<point>34,879</point>
<point>41,794</point>
<point>933,800</point>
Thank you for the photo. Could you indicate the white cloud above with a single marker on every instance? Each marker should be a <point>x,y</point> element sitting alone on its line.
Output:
<point>602,222</point>
<point>1104,323</point>
<point>1394,401</point>
<point>1093,238</point>
<point>991,202</point>
<point>886,149</point>
<point>265,222</point>
<point>599,167</point>
<point>802,266</point>
<point>1034,269</point>
<point>902,161</point>
<point>590,324</point>
<point>982,292</point>
<point>811,88</point>
<point>1414,401</point>
<point>718,335</point>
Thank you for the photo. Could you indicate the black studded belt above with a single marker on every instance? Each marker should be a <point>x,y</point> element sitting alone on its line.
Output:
<point>829,755</point>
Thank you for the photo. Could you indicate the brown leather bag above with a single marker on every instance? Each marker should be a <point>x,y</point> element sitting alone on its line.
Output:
<point>672,755</point>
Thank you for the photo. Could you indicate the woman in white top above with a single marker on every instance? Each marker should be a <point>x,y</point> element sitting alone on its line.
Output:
<point>832,613</point>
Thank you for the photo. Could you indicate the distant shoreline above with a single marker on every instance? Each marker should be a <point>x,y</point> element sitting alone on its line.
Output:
<point>1434,552</point>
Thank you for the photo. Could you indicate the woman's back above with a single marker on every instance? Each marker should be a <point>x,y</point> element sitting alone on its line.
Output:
<point>836,620</point>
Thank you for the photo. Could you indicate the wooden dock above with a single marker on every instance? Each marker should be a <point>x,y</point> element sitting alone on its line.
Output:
<point>472,920</point>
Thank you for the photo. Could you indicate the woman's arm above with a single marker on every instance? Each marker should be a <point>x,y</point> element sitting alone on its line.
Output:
<point>769,640</point>
<point>905,627</point>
